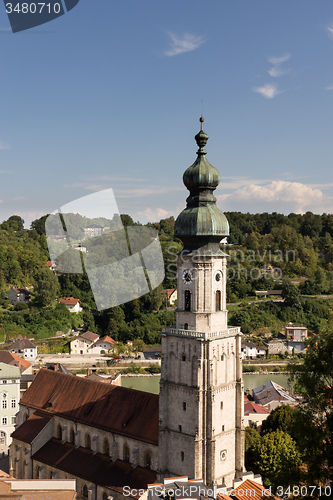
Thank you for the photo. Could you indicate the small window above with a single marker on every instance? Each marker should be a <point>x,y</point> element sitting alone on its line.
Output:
<point>183,357</point>
<point>13,420</point>
<point>13,403</point>
<point>147,461</point>
<point>59,432</point>
<point>222,357</point>
<point>105,496</point>
<point>186,326</point>
<point>218,301</point>
<point>4,421</point>
<point>85,491</point>
<point>180,428</point>
<point>222,428</point>
<point>72,436</point>
<point>4,381</point>
<point>182,456</point>
<point>221,405</point>
<point>126,454</point>
<point>184,406</point>
<point>13,381</point>
<point>4,404</point>
<point>187,300</point>
<point>88,442</point>
<point>106,447</point>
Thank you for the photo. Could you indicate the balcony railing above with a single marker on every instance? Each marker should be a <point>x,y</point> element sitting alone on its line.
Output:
<point>179,332</point>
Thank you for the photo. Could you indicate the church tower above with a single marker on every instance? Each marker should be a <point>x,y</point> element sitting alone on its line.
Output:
<point>201,433</point>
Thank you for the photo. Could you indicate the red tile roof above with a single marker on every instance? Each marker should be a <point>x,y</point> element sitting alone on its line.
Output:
<point>31,427</point>
<point>93,337</point>
<point>98,469</point>
<point>10,358</point>
<point>251,407</point>
<point>249,489</point>
<point>107,339</point>
<point>115,409</point>
<point>70,301</point>
<point>22,344</point>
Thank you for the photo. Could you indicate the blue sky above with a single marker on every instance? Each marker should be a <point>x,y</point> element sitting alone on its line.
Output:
<point>109,96</point>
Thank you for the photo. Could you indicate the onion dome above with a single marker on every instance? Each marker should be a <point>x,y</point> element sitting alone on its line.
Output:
<point>201,224</point>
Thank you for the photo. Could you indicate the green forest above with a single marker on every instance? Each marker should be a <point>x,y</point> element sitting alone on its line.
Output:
<point>266,251</point>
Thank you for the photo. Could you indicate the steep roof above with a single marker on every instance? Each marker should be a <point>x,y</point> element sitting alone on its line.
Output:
<point>21,290</point>
<point>27,431</point>
<point>271,391</point>
<point>106,339</point>
<point>22,344</point>
<point>10,358</point>
<point>249,489</point>
<point>93,337</point>
<point>8,371</point>
<point>116,409</point>
<point>98,469</point>
<point>70,301</point>
<point>251,407</point>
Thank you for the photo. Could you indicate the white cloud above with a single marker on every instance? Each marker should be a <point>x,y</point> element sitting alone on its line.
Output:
<point>277,61</point>
<point>288,196</point>
<point>185,43</point>
<point>330,30</point>
<point>330,87</point>
<point>269,91</point>
<point>155,214</point>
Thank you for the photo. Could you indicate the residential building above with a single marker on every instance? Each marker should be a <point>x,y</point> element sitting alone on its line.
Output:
<point>93,230</point>
<point>17,295</point>
<point>51,264</point>
<point>171,295</point>
<point>271,395</point>
<point>102,346</point>
<point>10,358</point>
<point>83,343</point>
<point>102,435</point>
<point>201,390</point>
<point>10,396</point>
<point>252,351</point>
<point>254,414</point>
<point>296,332</point>
<point>25,348</point>
<point>73,305</point>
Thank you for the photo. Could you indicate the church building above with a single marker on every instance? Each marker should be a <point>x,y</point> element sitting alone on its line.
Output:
<point>107,437</point>
<point>201,431</point>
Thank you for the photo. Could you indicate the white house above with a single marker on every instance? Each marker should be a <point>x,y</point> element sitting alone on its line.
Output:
<point>10,396</point>
<point>24,348</point>
<point>82,344</point>
<point>102,345</point>
<point>254,414</point>
<point>251,351</point>
<point>73,305</point>
<point>17,295</point>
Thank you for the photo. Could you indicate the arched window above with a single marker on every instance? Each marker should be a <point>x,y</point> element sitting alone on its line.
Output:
<point>186,326</point>
<point>105,496</point>
<point>85,491</point>
<point>88,441</point>
<point>218,300</point>
<point>59,432</point>
<point>72,436</point>
<point>106,447</point>
<point>187,300</point>
<point>126,455</point>
<point>147,461</point>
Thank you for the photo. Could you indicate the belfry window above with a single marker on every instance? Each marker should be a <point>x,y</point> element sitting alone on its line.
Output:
<point>187,300</point>
<point>218,301</point>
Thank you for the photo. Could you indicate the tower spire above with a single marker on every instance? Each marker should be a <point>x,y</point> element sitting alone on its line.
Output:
<point>201,224</point>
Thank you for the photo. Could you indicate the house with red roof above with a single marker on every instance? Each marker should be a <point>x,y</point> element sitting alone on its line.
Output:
<point>171,295</point>
<point>254,414</point>
<point>73,305</point>
<point>83,343</point>
<point>102,345</point>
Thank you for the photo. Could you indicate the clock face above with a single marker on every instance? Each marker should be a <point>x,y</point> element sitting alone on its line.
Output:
<point>218,277</point>
<point>187,277</point>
